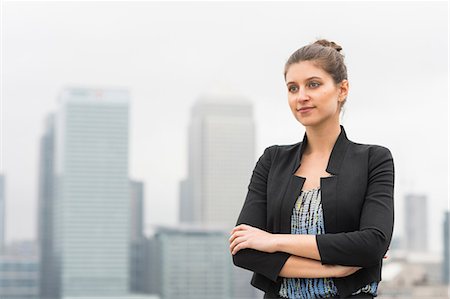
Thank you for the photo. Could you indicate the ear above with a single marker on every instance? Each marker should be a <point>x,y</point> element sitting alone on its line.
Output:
<point>343,89</point>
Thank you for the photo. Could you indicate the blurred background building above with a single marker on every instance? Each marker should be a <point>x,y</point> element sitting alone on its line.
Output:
<point>446,252</point>
<point>221,157</point>
<point>91,206</point>
<point>45,217</point>
<point>416,222</point>
<point>19,271</point>
<point>188,262</point>
<point>2,212</point>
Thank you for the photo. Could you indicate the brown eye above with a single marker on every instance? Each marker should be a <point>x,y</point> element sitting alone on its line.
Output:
<point>293,88</point>
<point>314,84</point>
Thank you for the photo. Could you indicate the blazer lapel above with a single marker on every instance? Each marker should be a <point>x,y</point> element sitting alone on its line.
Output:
<point>328,185</point>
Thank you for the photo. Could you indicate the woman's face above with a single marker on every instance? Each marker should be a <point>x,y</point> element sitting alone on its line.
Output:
<point>313,96</point>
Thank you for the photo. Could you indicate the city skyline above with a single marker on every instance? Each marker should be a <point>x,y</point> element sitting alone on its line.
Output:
<point>385,89</point>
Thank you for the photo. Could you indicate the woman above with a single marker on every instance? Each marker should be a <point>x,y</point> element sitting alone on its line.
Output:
<point>318,217</point>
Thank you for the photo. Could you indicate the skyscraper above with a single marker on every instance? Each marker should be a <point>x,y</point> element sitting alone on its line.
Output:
<point>2,213</point>
<point>221,157</point>
<point>45,209</point>
<point>136,234</point>
<point>446,259</point>
<point>136,210</point>
<point>92,199</point>
<point>416,222</point>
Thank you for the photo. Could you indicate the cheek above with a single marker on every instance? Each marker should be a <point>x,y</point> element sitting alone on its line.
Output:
<point>291,101</point>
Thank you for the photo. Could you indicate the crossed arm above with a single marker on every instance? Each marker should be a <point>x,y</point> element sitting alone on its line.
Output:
<point>315,256</point>
<point>304,261</point>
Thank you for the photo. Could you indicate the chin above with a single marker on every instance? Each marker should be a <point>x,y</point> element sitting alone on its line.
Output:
<point>307,122</point>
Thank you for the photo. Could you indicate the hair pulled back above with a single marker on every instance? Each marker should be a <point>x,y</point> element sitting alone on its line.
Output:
<point>325,54</point>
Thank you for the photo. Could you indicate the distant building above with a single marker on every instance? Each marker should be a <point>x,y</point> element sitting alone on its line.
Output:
<point>188,263</point>
<point>446,257</point>
<point>92,200</point>
<point>412,276</point>
<point>19,271</point>
<point>2,213</point>
<point>46,188</point>
<point>136,235</point>
<point>416,222</point>
<point>221,158</point>
<point>136,210</point>
<point>186,207</point>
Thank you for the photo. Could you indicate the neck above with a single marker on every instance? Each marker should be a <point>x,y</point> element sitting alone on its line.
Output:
<point>322,139</point>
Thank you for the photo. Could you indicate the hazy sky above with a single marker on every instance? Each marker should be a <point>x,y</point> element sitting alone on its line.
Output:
<point>170,54</point>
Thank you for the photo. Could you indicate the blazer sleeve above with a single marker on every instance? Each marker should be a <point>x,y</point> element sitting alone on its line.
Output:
<point>254,213</point>
<point>367,246</point>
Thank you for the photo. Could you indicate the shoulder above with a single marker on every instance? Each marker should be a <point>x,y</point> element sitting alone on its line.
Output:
<point>276,150</point>
<point>372,150</point>
<point>378,157</point>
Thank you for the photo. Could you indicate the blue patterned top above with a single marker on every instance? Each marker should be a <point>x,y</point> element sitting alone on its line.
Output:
<point>307,218</point>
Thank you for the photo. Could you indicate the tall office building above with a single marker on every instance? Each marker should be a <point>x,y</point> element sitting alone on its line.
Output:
<point>136,234</point>
<point>45,209</point>
<point>446,259</point>
<point>136,210</point>
<point>221,158</point>
<point>190,263</point>
<point>416,223</point>
<point>2,213</point>
<point>185,210</point>
<point>92,200</point>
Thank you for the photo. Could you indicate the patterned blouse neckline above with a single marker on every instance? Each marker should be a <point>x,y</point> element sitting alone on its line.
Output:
<point>311,190</point>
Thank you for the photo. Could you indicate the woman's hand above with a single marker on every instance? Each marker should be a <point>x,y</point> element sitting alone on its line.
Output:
<point>246,236</point>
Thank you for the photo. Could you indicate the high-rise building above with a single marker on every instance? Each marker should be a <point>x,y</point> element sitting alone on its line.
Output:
<point>136,234</point>
<point>185,209</point>
<point>136,210</point>
<point>221,157</point>
<point>416,223</point>
<point>45,210</point>
<point>2,213</point>
<point>446,258</point>
<point>189,263</point>
<point>92,200</point>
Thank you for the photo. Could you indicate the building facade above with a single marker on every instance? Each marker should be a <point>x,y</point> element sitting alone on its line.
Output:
<point>416,223</point>
<point>188,262</point>
<point>92,199</point>
<point>45,209</point>
<point>2,213</point>
<point>221,158</point>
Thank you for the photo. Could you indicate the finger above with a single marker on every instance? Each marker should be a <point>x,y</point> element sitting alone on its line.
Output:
<point>238,247</point>
<point>235,235</point>
<point>236,242</point>
<point>239,227</point>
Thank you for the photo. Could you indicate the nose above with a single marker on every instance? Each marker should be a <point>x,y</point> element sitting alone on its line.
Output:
<point>302,95</point>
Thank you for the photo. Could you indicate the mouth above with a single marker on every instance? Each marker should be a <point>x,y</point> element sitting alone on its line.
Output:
<point>305,109</point>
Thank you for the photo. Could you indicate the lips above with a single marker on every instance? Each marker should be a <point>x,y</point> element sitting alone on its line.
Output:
<point>305,109</point>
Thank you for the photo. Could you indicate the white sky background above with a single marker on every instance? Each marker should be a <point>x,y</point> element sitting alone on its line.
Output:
<point>169,54</point>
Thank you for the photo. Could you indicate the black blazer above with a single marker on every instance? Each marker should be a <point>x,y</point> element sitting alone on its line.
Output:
<point>357,202</point>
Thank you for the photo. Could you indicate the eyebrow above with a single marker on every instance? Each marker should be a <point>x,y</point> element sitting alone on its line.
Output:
<point>313,77</point>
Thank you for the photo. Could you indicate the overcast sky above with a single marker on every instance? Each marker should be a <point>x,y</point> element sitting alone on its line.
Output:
<point>170,54</point>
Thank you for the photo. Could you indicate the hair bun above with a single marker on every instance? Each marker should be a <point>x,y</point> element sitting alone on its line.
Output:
<point>326,43</point>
